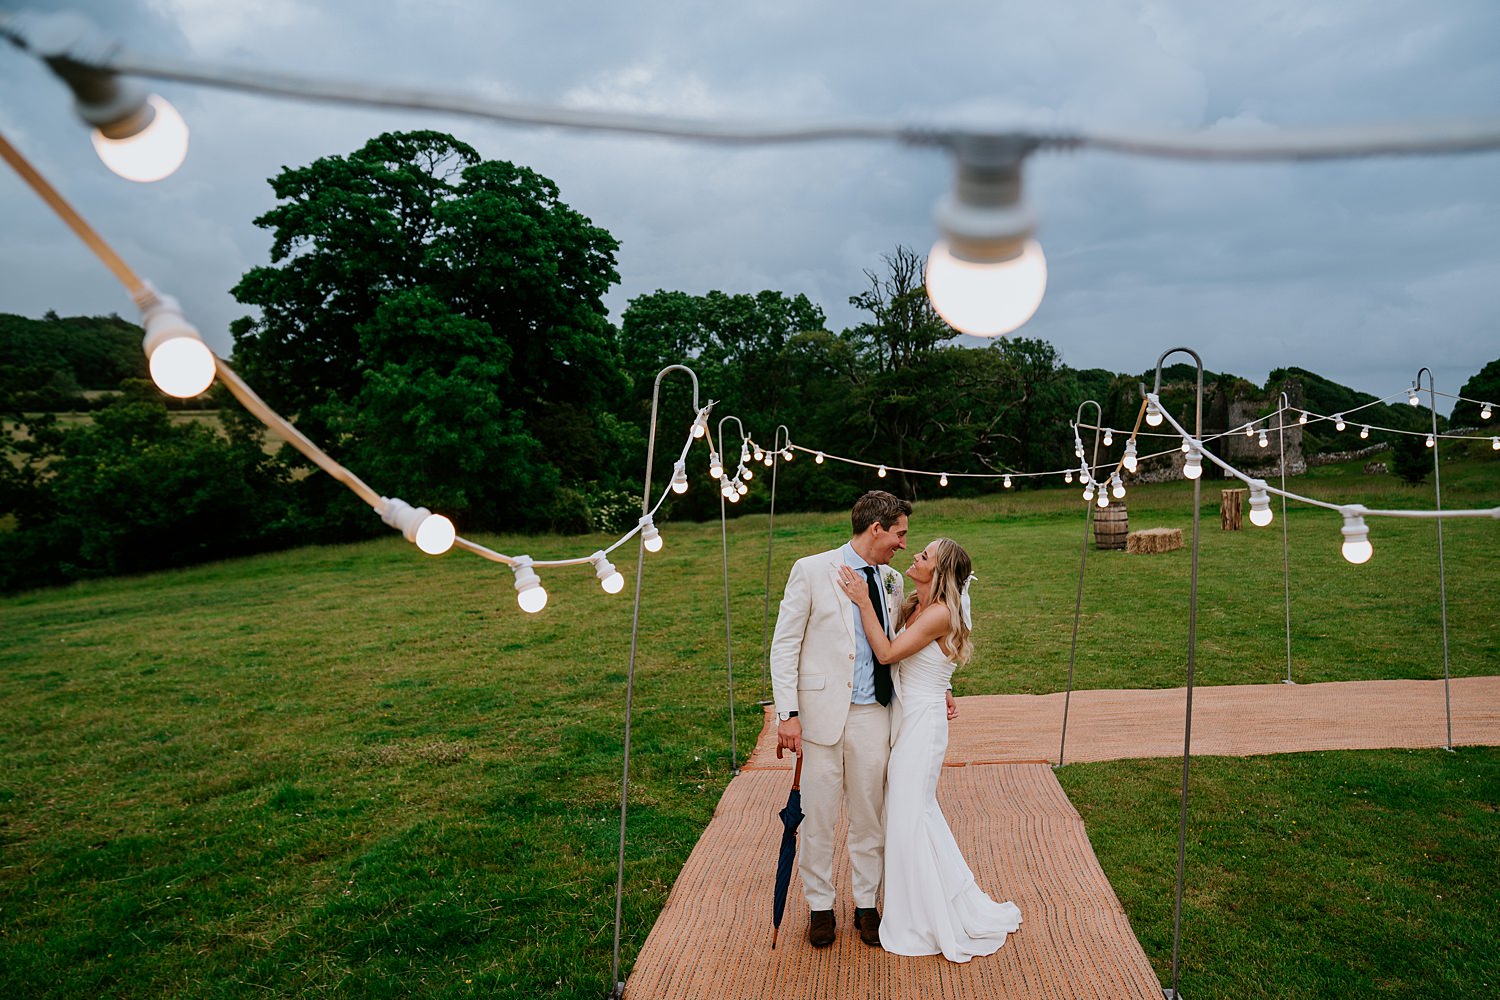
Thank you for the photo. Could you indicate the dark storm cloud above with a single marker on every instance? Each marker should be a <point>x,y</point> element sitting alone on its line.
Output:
<point>1362,271</point>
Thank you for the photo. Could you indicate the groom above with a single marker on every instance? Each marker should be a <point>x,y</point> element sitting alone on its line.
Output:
<point>832,706</point>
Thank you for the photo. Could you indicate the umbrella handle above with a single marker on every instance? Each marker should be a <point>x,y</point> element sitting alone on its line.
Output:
<point>796,775</point>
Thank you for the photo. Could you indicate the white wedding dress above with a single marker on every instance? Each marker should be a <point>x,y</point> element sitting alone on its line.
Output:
<point>932,903</point>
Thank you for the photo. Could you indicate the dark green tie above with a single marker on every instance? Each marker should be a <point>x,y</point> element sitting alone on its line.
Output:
<point>883,688</point>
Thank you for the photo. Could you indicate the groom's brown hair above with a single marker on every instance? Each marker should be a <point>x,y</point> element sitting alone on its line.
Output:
<point>878,506</point>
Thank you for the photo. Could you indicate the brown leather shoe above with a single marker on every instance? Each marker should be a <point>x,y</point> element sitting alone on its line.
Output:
<point>820,929</point>
<point>868,923</point>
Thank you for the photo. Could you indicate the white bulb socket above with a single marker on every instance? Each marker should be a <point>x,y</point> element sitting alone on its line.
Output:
<point>530,594</point>
<point>181,363</point>
<point>609,578</point>
<point>1356,547</point>
<point>1260,504</point>
<point>433,533</point>
<point>649,535</point>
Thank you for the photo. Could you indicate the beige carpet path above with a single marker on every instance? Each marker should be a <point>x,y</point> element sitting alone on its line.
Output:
<point>1021,835</point>
<point>1237,720</point>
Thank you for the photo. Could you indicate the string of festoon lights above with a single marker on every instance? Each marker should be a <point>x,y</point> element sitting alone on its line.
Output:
<point>985,275</point>
<point>182,365</point>
<point>1356,546</point>
<point>1260,428</point>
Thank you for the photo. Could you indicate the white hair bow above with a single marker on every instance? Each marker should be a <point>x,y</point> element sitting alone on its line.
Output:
<point>963,602</point>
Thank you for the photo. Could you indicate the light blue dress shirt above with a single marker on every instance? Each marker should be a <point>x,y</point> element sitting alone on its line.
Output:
<point>864,657</point>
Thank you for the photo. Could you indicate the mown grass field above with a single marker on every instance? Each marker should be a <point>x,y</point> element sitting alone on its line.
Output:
<point>356,771</point>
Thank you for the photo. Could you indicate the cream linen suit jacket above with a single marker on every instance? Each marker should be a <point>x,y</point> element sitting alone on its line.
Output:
<point>812,652</point>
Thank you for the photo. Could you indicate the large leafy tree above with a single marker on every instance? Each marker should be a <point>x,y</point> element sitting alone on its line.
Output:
<point>1485,387</point>
<point>439,320</point>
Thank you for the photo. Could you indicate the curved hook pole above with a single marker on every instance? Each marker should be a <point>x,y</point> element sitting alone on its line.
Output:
<point>1437,483</point>
<point>635,631</point>
<point>1187,729</point>
<point>781,439</point>
<point>1088,517</point>
<point>734,752</point>
<point>1286,560</point>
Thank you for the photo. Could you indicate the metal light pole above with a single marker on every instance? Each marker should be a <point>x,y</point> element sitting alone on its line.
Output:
<point>618,990</point>
<point>782,438</point>
<point>1437,482</point>
<point>1187,729</point>
<point>1286,559</point>
<point>1088,519</point>
<point>734,754</point>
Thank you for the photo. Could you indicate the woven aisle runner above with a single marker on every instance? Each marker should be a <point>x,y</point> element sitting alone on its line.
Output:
<point>1020,834</point>
<point>1018,831</point>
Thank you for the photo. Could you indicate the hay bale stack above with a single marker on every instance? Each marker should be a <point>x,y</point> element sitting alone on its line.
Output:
<point>1154,540</point>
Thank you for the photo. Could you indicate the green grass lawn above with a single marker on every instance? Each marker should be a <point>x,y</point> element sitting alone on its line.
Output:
<point>358,771</point>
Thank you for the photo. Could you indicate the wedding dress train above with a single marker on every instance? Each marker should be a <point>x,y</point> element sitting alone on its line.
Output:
<point>932,903</point>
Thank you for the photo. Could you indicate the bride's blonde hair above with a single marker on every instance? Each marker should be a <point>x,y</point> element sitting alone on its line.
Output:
<point>951,569</point>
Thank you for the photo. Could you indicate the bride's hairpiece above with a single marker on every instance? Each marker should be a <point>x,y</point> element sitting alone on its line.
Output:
<point>963,602</point>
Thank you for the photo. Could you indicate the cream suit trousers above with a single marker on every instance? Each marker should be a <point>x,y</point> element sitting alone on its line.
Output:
<point>852,771</point>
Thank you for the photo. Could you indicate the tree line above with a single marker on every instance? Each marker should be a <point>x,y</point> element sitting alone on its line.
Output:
<point>436,321</point>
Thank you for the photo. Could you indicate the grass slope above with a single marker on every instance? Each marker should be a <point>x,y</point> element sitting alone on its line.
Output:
<point>356,771</point>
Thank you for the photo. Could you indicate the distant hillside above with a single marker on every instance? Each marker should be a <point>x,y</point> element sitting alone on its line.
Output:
<point>48,363</point>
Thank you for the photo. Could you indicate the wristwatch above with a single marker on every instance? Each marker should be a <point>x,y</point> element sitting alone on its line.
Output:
<point>783,716</point>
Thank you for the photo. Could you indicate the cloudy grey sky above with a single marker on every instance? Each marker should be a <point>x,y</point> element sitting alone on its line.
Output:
<point>1363,271</point>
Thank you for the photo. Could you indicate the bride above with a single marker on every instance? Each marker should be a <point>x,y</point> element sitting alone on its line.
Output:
<point>932,903</point>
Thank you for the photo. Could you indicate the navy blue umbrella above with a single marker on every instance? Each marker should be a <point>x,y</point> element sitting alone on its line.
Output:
<point>791,818</point>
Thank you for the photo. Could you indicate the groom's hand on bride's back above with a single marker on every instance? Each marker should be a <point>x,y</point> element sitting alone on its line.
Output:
<point>789,735</point>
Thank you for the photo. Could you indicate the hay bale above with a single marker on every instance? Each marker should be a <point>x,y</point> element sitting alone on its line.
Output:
<point>1154,540</point>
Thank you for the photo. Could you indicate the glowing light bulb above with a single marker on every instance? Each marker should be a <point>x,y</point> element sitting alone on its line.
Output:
<point>433,533</point>
<point>700,424</point>
<point>1431,441</point>
<point>744,453</point>
<point>1338,421</point>
<point>818,458</point>
<point>1130,461</point>
<point>679,477</point>
<point>530,594</point>
<point>1088,492</point>
<point>990,299</point>
<point>609,577</point>
<point>1192,468</point>
<point>1364,432</point>
<point>715,467</point>
<point>1007,482</point>
<point>1302,417</point>
<point>1486,411</point>
<point>1103,500</point>
<point>943,479</point>
<point>768,459</point>
<point>152,152</point>
<point>882,472</point>
<point>747,473</point>
<point>1116,487</point>
<point>181,364</point>
<point>759,453</point>
<point>1153,413</point>
<point>1068,476</point>
<point>787,454</point>
<point>1109,438</point>
<point>650,535</point>
<point>1411,397</point>
<point>1495,444</point>
<point>1263,441</point>
<point>741,489</point>
<point>1260,504</point>
<point>1249,430</point>
<point>1187,446</point>
<point>1356,548</point>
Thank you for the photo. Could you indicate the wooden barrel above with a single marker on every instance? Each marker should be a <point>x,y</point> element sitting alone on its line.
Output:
<point>1111,525</point>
